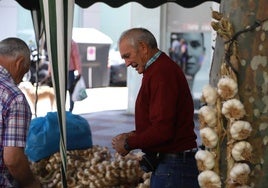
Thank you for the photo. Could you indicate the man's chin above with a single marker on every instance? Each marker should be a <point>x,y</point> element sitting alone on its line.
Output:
<point>140,71</point>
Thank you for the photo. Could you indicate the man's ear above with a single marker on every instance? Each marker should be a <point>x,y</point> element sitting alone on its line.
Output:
<point>19,63</point>
<point>143,46</point>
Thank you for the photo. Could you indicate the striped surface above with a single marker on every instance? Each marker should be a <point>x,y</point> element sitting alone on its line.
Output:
<point>58,19</point>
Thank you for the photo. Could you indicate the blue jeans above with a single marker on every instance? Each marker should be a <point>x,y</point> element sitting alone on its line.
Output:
<point>175,172</point>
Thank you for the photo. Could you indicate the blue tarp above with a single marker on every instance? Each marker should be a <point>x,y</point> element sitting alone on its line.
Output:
<point>44,136</point>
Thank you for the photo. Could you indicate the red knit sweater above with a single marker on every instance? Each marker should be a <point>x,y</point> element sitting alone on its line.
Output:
<point>164,110</point>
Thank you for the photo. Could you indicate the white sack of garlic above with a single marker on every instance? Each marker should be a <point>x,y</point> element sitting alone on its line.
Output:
<point>240,173</point>
<point>209,95</point>
<point>207,115</point>
<point>209,178</point>
<point>242,151</point>
<point>240,130</point>
<point>227,87</point>
<point>205,160</point>
<point>233,109</point>
<point>209,137</point>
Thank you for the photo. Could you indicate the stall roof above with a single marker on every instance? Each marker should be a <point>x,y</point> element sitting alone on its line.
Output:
<point>145,3</point>
<point>34,4</point>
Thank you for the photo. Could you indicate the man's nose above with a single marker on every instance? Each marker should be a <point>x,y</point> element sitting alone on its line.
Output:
<point>127,63</point>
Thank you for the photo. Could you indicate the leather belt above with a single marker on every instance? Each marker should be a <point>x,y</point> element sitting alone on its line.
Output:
<point>180,155</point>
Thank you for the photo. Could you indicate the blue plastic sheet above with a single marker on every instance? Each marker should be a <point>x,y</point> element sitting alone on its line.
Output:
<point>44,136</point>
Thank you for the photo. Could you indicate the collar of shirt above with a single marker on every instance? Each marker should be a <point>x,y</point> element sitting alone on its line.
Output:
<point>152,59</point>
<point>5,73</point>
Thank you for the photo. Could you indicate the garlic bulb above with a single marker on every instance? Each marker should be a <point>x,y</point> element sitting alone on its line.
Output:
<point>233,109</point>
<point>240,130</point>
<point>263,126</point>
<point>265,140</point>
<point>209,178</point>
<point>242,151</point>
<point>209,137</point>
<point>227,87</point>
<point>207,116</point>
<point>209,95</point>
<point>240,173</point>
<point>205,160</point>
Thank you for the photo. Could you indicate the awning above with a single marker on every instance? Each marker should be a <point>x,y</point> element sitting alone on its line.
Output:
<point>34,4</point>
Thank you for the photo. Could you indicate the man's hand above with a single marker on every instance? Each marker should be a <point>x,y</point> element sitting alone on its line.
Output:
<point>118,143</point>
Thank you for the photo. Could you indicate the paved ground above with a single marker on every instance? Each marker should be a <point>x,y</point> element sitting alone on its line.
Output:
<point>107,124</point>
<point>106,111</point>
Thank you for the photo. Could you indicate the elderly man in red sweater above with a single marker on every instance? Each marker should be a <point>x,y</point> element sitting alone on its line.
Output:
<point>163,114</point>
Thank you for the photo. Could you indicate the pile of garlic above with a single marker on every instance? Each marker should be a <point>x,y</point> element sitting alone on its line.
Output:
<point>93,167</point>
<point>221,103</point>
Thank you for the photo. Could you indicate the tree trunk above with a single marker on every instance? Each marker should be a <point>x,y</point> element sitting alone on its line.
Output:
<point>245,55</point>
